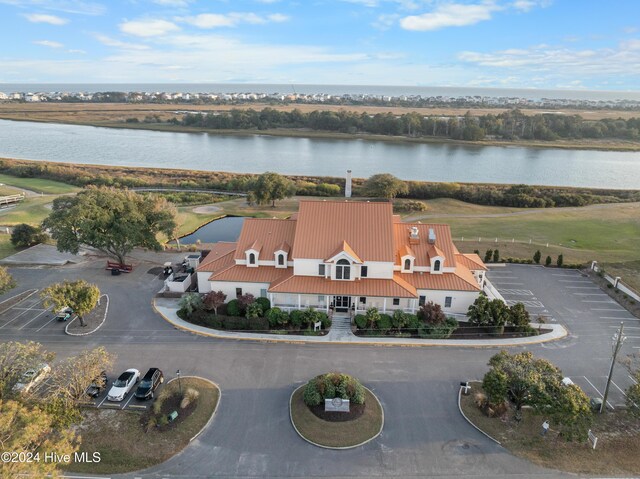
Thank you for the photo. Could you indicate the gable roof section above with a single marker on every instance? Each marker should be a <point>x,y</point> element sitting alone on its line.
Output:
<point>366,227</point>
<point>242,274</point>
<point>471,261</point>
<point>461,280</point>
<point>264,235</point>
<point>220,256</point>
<point>423,250</point>
<point>344,248</point>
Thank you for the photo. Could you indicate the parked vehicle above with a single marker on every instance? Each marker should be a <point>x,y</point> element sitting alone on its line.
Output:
<point>64,314</point>
<point>123,385</point>
<point>97,385</point>
<point>149,384</point>
<point>31,378</point>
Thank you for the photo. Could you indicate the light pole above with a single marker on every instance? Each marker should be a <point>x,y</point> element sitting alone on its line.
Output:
<point>179,383</point>
<point>618,339</point>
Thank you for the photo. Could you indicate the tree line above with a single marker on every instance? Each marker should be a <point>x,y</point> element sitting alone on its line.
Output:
<point>508,125</point>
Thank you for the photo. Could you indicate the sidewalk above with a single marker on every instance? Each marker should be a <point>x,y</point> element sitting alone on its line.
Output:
<point>167,308</point>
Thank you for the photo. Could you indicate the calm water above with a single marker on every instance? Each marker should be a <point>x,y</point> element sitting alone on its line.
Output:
<point>318,157</point>
<point>224,229</point>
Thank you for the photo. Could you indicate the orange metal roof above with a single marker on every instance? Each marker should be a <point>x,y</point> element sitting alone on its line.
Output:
<point>386,288</point>
<point>472,261</point>
<point>244,274</point>
<point>461,280</point>
<point>347,249</point>
<point>367,227</point>
<point>266,235</point>
<point>220,256</point>
<point>423,249</point>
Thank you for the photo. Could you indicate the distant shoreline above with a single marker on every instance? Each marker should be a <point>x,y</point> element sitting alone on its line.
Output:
<point>612,145</point>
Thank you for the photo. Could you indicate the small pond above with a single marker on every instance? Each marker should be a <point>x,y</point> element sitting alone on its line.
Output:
<point>224,229</point>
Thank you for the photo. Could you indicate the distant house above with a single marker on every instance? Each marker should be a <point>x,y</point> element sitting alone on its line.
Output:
<point>345,256</point>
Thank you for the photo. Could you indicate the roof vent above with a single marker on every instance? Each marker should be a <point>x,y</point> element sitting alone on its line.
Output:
<point>432,236</point>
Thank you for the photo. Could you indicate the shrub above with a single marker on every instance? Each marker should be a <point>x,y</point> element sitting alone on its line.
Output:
<point>296,318</point>
<point>560,261</point>
<point>24,235</point>
<point>361,321</point>
<point>496,256</point>
<point>536,257</point>
<point>245,300</point>
<point>431,313</point>
<point>547,261</point>
<point>488,255</point>
<point>384,323</point>
<point>310,316</point>
<point>182,314</point>
<point>189,396</point>
<point>257,324</point>
<point>412,321</point>
<point>332,385</point>
<point>277,317</point>
<point>372,316</point>
<point>191,302</point>
<point>233,308</point>
<point>311,396</point>
<point>325,320</point>
<point>253,310</point>
<point>264,303</point>
<point>438,331</point>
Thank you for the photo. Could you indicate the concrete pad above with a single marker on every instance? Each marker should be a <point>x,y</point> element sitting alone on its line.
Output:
<point>42,254</point>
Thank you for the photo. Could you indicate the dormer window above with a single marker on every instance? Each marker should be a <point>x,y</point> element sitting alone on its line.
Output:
<point>407,264</point>
<point>252,258</point>
<point>280,260</point>
<point>343,269</point>
<point>436,265</point>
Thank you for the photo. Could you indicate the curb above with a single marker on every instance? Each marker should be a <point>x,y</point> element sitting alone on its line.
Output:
<point>106,311</point>
<point>469,421</point>
<point>336,448</point>
<point>215,409</point>
<point>427,343</point>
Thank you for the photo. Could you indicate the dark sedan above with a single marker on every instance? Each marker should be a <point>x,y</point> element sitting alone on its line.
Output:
<point>97,385</point>
<point>149,384</point>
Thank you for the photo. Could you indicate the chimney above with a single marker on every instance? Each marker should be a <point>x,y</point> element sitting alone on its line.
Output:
<point>432,236</point>
<point>414,238</point>
<point>347,185</point>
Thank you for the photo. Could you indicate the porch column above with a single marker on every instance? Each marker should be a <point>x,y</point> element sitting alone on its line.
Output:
<point>384,305</point>
<point>270,296</point>
<point>326,300</point>
<point>299,301</point>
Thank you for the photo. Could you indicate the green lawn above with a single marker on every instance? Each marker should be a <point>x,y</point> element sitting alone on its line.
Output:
<point>38,185</point>
<point>6,248</point>
<point>31,211</point>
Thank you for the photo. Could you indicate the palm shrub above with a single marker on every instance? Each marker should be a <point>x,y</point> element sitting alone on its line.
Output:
<point>253,310</point>
<point>191,302</point>
<point>372,316</point>
<point>277,317</point>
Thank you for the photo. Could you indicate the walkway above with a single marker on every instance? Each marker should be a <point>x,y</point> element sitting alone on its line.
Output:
<point>168,308</point>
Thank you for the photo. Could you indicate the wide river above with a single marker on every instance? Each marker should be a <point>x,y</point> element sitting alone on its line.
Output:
<point>319,157</point>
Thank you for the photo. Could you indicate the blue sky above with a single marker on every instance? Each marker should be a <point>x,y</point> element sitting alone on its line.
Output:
<point>573,44</point>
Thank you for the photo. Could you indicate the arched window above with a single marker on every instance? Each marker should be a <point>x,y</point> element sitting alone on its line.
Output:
<point>252,258</point>
<point>280,260</point>
<point>436,265</point>
<point>343,269</point>
<point>407,264</point>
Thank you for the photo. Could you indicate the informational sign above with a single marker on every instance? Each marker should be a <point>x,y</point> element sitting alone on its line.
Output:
<point>593,439</point>
<point>336,405</point>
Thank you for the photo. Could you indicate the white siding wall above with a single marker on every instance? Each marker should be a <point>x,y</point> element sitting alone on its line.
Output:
<point>460,300</point>
<point>379,269</point>
<point>229,288</point>
<point>306,267</point>
<point>204,285</point>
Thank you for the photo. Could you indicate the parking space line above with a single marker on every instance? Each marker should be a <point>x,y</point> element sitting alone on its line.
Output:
<point>569,275</point>
<point>128,401</point>
<point>36,317</point>
<point>46,324</point>
<point>583,287</point>
<point>601,395</point>
<point>575,281</point>
<point>633,379</point>
<point>596,301</point>
<point>103,400</point>
<point>616,317</point>
<point>590,294</point>
<point>623,393</point>
<point>19,315</point>
<point>609,309</point>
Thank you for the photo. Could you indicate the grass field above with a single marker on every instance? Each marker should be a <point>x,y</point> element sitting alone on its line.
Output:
<point>38,185</point>
<point>6,248</point>
<point>31,211</point>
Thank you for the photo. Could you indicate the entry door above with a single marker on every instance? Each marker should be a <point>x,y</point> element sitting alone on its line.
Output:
<point>343,303</point>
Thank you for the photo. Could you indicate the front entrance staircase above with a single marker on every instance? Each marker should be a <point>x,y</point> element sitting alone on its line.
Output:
<point>340,326</point>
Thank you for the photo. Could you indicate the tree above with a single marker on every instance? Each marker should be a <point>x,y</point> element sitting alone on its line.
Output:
<point>560,261</point>
<point>80,296</point>
<point>191,302</point>
<point>71,378</point>
<point>6,280</point>
<point>24,235</point>
<point>270,187</point>
<point>373,316</point>
<point>16,358</point>
<point>496,255</point>
<point>245,300</point>
<point>213,300</point>
<point>547,261</point>
<point>385,185</point>
<point>485,312</point>
<point>536,257</point>
<point>519,316</point>
<point>569,410</point>
<point>488,255</point>
<point>431,313</point>
<point>110,220</point>
<point>28,428</point>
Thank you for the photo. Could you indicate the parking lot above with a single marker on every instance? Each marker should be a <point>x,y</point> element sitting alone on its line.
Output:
<point>30,315</point>
<point>567,297</point>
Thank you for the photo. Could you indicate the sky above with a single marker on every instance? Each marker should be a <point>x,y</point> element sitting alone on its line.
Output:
<point>546,44</point>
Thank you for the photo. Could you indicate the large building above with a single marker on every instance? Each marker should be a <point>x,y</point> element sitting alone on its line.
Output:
<point>345,256</point>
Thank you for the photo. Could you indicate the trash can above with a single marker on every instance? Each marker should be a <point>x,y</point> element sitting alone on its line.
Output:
<point>115,272</point>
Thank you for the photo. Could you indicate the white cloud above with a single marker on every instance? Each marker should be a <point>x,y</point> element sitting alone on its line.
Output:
<point>148,27</point>
<point>217,20</point>
<point>48,43</point>
<point>68,6</point>
<point>528,5</point>
<point>74,50</point>
<point>173,3</point>
<point>112,42</point>
<point>450,15</point>
<point>44,18</point>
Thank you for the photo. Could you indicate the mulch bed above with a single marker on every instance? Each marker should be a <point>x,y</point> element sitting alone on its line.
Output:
<point>621,298</point>
<point>355,411</point>
<point>92,320</point>
<point>170,404</point>
<point>464,331</point>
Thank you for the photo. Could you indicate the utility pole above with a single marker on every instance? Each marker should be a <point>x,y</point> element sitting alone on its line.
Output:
<point>618,339</point>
